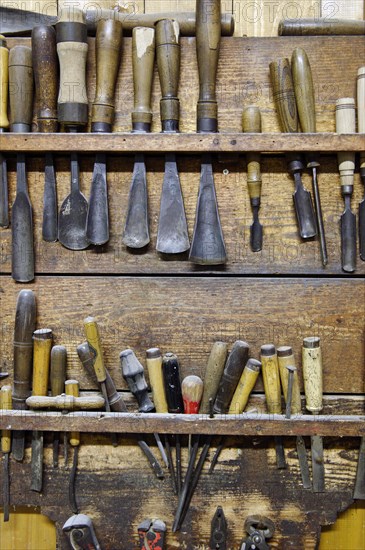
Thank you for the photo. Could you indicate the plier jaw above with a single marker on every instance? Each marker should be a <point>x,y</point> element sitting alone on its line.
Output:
<point>151,534</point>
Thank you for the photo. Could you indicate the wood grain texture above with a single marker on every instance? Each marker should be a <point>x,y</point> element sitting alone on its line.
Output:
<point>348,9</point>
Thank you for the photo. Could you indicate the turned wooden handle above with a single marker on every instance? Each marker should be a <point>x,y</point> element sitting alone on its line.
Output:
<point>21,88</point>
<point>284,96</point>
<point>245,386</point>
<point>271,378</point>
<point>154,367</point>
<point>361,109</point>
<point>25,323</point>
<point>93,339</point>
<point>251,123</point>
<point>66,402</point>
<point>168,63</point>
<point>143,56</point>
<point>4,83</point>
<point>42,343</point>
<point>45,66</point>
<point>286,359</point>
<point>192,391</point>
<point>108,50</point>
<point>72,389</point>
<point>304,90</point>
<point>5,404</point>
<point>58,370</point>
<point>346,124</point>
<point>213,373</point>
<point>208,37</point>
<point>312,374</point>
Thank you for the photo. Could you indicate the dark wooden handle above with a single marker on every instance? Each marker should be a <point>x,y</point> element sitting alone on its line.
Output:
<point>322,26</point>
<point>109,35</point>
<point>304,90</point>
<point>171,375</point>
<point>235,364</point>
<point>251,122</point>
<point>45,66</point>
<point>143,56</point>
<point>208,36</point>
<point>168,63</point>
<point>20,88</point>
<point>283,92</point>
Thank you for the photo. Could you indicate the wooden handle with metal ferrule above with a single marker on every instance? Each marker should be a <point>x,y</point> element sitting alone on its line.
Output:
<point>245,386</point>
<point>5,404</point>
<point>284,96</point>
<point>108,50</point>
<point>271,378</point>
<point>4,83</point>
<point>58,369</point>
<point>251,123</point>
<point>235,364</point>
<point>143,57</point>
<point>168,63</point>
<point>361,111</point>
<point>286,359</point>
<point>72,389</point>
<point>93,339</point>
<point>304,90</point>
<point>213,374</point>
<point>42,343</point>
<point>45,66</point>
<point>67,402</point>
<point>154,367</point>
<point>208,37</point>
<point>312,374</point>
<point>346,124</point>
<point>72,48</point>
<point>20,88</point>
<point>192,391</point>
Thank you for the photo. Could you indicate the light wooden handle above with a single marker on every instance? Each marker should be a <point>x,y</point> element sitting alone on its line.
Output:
<point>304,90</point>
<point>42,343</point>
<point>93,339</point>
<point>361,110</point>
<point>251,123</point>
<point>4,83</point>
<point>5,404</point>
<point>66,402</point>
<point>154,367</point>
<point>346,124</point>
<point>286,359</point>
<point>192,391</point>
<point>283,93</point>
<point>72,389</point>
<point>245,387</point>
<point>143,56</point>
<point>271,378</point>
<point>213,374</point>
<point>312,374</point>
<point>20,88</point>
<point>58,369</point>
<point>168,63</point>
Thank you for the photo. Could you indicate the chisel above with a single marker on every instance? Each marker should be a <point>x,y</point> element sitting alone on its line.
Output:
<point>304,95</point>
<point>4,125</point>
<point>207,246</point>
<point>5,404</point>
<point>57,379</point>
<point>72,388</point>
<point>361,129</point>
<point>213,374</point>
<point>136,232</point>
<point>312,374</point>
<point>172,235</point>
<point>24,326</point>
<point>284,97</point>
<point>346,124</point>
<point>21,105</point>
<point>45,66</point>
<point>251,122</point>
<point>42,343</point>
<point>108,49</point>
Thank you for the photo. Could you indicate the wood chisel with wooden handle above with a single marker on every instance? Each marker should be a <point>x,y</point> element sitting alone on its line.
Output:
<point>57,379</point>
<point>4,125</point>
<point>21,106</point>
<point>72,389</point>
<point>213,374</point>
<point>24,326</point>
<point>5,404</point>
<point>108,50</point>
<point>45,66</point>
<point>313,386</point>
<point>361,129</point>
<point>136,231</point>
<point>42,343</point>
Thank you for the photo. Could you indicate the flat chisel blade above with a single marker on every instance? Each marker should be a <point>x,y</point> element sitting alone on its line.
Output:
<point>304,209</point>
<point>317,464</point>
<point>4,202</point>
<point>256,232</point>
<point>136,233</point>
<point>303,463</point>
<point>6,487</point>
<point>37,461</point>
<point>348,240</point>
<point>97,223</point>
<point>50,215</point>
<point>359,491</point>
<point>362,229</point>
<point>17,445</point>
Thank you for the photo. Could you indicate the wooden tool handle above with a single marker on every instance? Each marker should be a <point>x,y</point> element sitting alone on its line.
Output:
<point>4,83</point>
<point>286,359</point>
<point>134,375</point>
<point>245,386</point>
<point>168,63</point>
<point>5,404</point>
<point>271,378</point>
<point>93,339</point>
<point>67,402</point>
<point>20,88</point>
<point>171,376</point>
<point>72,389</point>
<point>72,47</point>
<point>108,48</point>
<point>45,66</point>
<point>312,374</point>
<point>58,369</point>
<point>283,93</point>
<point>251,123</point>
<point>154,367</point>
<point>304,90</point>
<point>208,36</point>
<point>143,56</point>
<point>346,124</point>
<point>42,343</point>
<point>361,110</point>
<point>321,26</point>
<point>235,364</point>
<point>25,322</point>
<point>213,374</point>
<point>192,391</point>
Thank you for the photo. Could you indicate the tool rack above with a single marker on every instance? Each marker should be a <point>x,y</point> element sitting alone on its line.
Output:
<point>279,295</point>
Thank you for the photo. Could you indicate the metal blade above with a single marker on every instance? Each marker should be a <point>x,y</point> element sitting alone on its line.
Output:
<point>348,238</point>
<point>280,453</point>
<point>362,229</point>
<point>4,202</point>
<point>161,449</point>
<point>49,226</point>
<point>37,462</point>
<point>304,209</point>
<point>136,233</point>
<point>6,487</point>
<point>359,491</point>
<point>55,449</point>
<point>172,236</point>
<point>72,481</point>
<point>16,22</point>
<point>151,459</point>
<point>303,463</point>
<point>319,216</point>
<point>97,223</point>
<point>22,229</point>
<point>256,231</point>
<point>317,464</point>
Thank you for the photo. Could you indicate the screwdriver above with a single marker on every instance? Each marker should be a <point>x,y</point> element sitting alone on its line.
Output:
<point>72,388</point>
<point>57,378</point>
<point>5,404</point>
<point>192,391</point>
<point>4,125</point>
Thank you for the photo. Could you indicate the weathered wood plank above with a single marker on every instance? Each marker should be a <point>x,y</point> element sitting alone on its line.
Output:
<point>346,9</point>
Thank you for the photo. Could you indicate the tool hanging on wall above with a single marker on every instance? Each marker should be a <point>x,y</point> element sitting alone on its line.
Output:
<point>45,66</point>
<point>259,529</point>
<point>4,125</point>
<point>361,129</point>
<point>218,531</point>
<point>80,532</point>
<point>5,404</point>
<point>72,389</point>
<point>151,534</point>
<point>57,379</point>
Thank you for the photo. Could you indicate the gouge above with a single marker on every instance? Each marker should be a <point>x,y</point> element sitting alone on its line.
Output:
<point>346,124</point>
<point>21,104</point>
<point>321,26</point>
<point>67,402</point>
<point>361,129</point>
<point>213,374</point>
<point>4,125</point>
<point>5,403</point>
<point>136,232</point>
<point>251,122</point>
<point>304,96</point>
<point>108,48</point>
<point>24,326</point>
<point>72,390</point>
<point>42,343</point>
<point>45,65</point>
<point>312,374</point>
<point>80,533</point>
<point>72,108</point>
<point>172,235</point>
<point>207,246</point>
<point>284,97</point>
<point>57,378</point>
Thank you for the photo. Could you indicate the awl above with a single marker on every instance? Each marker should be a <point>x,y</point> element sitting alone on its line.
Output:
<point>4,125</point>
<point>361,129</point>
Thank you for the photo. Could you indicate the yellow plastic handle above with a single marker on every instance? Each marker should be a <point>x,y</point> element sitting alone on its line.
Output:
<point>245,387</point>
<point>42,344</point>
<point>154,367</point>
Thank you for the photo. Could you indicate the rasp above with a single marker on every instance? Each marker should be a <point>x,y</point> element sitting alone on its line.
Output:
<point>361,129</point>
<point>4,124</point>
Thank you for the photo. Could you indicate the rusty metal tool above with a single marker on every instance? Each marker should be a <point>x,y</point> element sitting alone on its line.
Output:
<point>284,97</point>
<point>21,105</point>
<point>72,389</point>
<point>359,490</point>
<point>259,529</point>
<point>361,129</point>
<point>218,532</point>
<point>5,403</point>
<point>136,232</point>
<point>313,386</point>
<point>24,326</point>
<point>45,66</point>
<point>172,235</point>
<point>108,48</point>
<point>4,125</point>
<point>346,124</point>
<point>80,533</point>
<point>207,246</point>
<point>57,379</point>
<point>151,534</point>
